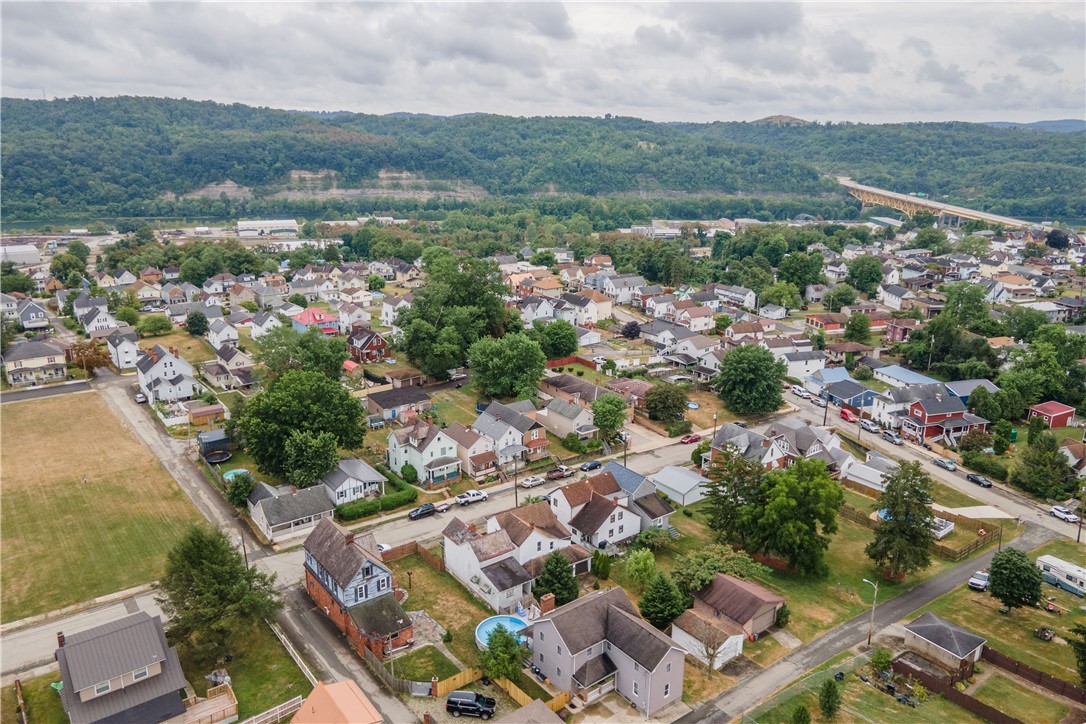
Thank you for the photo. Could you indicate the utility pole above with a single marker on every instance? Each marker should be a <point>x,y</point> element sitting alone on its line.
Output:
<point>516,497</point>
<point>874,601</point>
<point>931,349</point>
<point>244,550</point>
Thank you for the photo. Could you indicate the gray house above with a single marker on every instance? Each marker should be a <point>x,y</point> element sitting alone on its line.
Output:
<point>32,315</point>
<point>353,479</point>
<point>285,512</point>
<point>122,671</point>
<point>598,644</point>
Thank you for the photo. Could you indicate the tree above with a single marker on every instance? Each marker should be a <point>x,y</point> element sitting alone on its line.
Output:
<point>630,330</point>
<point>1001,436</point>
<point>310,456</point>
<point>858,328</point>
<point>694,571</point>
<point>734,483</point>
<point>662,602</point>
<point>601,565</point>
<point>863,372</point>
<point>1043,470</point>
<point>800,715</point>
<point>556,577</point>
<point>65,264</point>
<point>375,283</point>
<point>208,593</point>
<point>985,404</point>
<point>798,517</point>
<point>1077,642</point>
<point>88,354</point>
<point>931,238</point>
<point>976,439</point>
<point>783,294</point>
<point>974,246</point>
<point>153,325</point>
<point>609,414</point>
<point>829,699</point>
<point>1014,579</point>
<point>298,299</point>
<point>1037,425</point>
<point>641,567</point>
<point>865,274</point>
<point>1022,322</point>
<point>128,315</point>
<point>79,250</point>
<point>841,295</point>
<point>1057,239</point>
<point>543,258</point>
<point>506,367</point>
<point>298,400</point>
<point>9,330</point>
<point>557,339</point>
<point>502,655</point>
<point>966,303</point>
<point>284,348</point>
<point>800,269</point>
<point>700,449</point>
<point>749,380</point>
<point>196,324</point>
<point>237,492</point>
<point>665,401</point>
<point>902,542</point>
<point>13,280</point>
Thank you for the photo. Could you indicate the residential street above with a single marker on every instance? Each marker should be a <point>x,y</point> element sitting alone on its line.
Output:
<point>35,393</point>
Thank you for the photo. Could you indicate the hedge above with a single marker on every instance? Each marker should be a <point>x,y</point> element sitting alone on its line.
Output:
<point>679,428</point>
<point>979,461</point>
<point>402,494</point>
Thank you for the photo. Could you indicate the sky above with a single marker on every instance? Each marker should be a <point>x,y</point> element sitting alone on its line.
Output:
<point>860,61</point>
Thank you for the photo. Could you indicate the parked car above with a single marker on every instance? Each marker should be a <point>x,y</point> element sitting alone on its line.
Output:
<point>531,482</point>
<point>819,402</point>
<point>946,464</point>
<point>560,472</point>
<point>423,511</point>
<point>458,376</point>
<point>590,465</point>
<point>870,425</point>
<point>382,547</point>
<point>979,581</point>
<point>893,437</point>
<point>468,703</point>
<point>1063,514</point>
<point>687,439</point>
<point>600,360</point>
<point>140,398</point>
<point>848,415</point>
<point>470,496</point>
<point>979,480</point>
<point>801,392</point>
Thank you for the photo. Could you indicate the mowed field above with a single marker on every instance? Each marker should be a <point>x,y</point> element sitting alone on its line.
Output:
<point>62,541</point>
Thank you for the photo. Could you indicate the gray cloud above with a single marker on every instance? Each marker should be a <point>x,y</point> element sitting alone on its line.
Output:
<point>1039,63</point>
<point>951,77</point>
<point>849,54</point>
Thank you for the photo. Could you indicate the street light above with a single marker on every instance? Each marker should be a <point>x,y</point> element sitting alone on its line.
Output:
<point>874,602</point>
<point>714,425</point>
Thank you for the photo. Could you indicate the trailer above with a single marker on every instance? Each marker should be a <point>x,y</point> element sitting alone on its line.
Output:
<point>1060,573</point>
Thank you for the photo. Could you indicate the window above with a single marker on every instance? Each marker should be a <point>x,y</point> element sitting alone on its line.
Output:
<point>620,529</point>
<point>559,648</point>
<point>635,687</point>
<point>637,666</point>
<point>360,593</point>
<point>610,532</point>
<point>552,545</point>
<point>620,515</point>
<point>139,674</point>
<point>542,637</point>
<point>102,688</point>
<point>667,690</point>
<point>612,517</point>
<point>668,668</point>
<point>382,584</point>
<point>542,658</point>
<point>558,671</point>
<point>539,545</point>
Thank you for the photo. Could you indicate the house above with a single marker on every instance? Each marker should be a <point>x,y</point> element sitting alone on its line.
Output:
<point>570,503</point>
<point>353,479</point>
<point>123,349</point>
<point>894,296</point>
<point>34,363</point>
<point>898,330</point>
<point>621,289</point>
<point>427,449</point>
<point>402,403</point>
<point>121,671</point>
<point>268,295</point>
<point>631,388</point>
<point>802,364</point>
<point>681,485</point>
<point>1055,414</point>
<point>351,315</point>
<point>562,418</point>
<point>814,293</point>
<point>99,320</point>
<point>536,533</point>
<point>1075,452</point>
<point>696,319</point>
<point>9,306</point>
<point>513,435</point>
<point>891,407</point>
<point>31,315</point>
<point>734,296</point>
<point>575,389</point>
<point>230,369</point>
<point>476,453</point>
<point>944,416</point>
<point>773,311</point>
<point>220,284</point>
<point>598,644</point>
<point>964,388</point>
<point>315,318</point>
<point>753,446</point>
<point>347,578</point>
<point>898,376</point>
<point>641,496</point>
<point>836,271</point>
<point>220,334</point>
<point>803,440</point>
<point>163,376</point>
<point>366,345</point>
<point>744,603</point>
<point>339,703</point>
<point>817,382</point>
<point>839,352</point>
<point>263,323</point>
<point>828,323</point>
<point>241,294</point>
<point>850,394</point>
<point>951,647</point>
<point>391,307</point>
<point>285,512</point>
<point>149,295</point>
<point>487,565</point>
<point>703,635</point>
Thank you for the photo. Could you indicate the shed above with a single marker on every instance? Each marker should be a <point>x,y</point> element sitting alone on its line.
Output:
<point>702,636</point>
<point>680,485</point>
<point>750,606</point>
<point>207,414</point>
<point>213,441</point>
<point>950,646</point>
<point>1055,414</point>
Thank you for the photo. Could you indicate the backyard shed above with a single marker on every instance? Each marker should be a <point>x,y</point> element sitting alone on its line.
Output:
<point>950,646</point>
<point>1055,414</point>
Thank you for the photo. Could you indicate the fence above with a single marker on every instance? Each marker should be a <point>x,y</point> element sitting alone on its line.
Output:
<point>277,713</point>
<point>945,552</point>
<point>1027,672</point>
<point>211,714</point>
<point>859,488</point>
<point>515,692</point>
<point>436,563</point>
<point>374,664</point>
<point>293,654</point>
<point>453,683</point>
<point>808,683</point>
<point>559,701</point>
<point>569,361</point>
<point>857,516</point>
<point>19,698</point>
<point>938,686</point>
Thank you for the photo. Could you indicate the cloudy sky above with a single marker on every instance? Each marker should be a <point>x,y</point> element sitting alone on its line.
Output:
<point>869,61</point>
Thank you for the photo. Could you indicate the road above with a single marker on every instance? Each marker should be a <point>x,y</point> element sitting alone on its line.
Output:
<point>748,692</point>
<point>35,393</point>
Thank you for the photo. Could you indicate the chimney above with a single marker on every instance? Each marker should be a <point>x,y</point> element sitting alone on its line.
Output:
<point>60,639</point>
<point>349,538</point>
<point>471,528</point>
<point>546,603</point>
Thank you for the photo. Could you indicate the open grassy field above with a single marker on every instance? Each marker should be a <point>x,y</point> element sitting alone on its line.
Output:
<point>194,350</point>
<point>1019,701</point>
<point>423,663</point>
<point>65,541</point>
<point>42,702</point>
<point>1012,634</point>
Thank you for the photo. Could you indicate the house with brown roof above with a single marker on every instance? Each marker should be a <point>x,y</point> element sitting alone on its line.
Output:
<point>339,703</point>
<point>743,603</point>
<point>703,636</point>
<point>630,387</point>
<point>486,564</point>
<point>576,390</point>
<point>476,453</point>
<point>596,510</point>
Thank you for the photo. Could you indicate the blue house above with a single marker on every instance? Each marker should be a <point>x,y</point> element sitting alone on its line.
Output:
<point>847,392</point>
<point>964,388</point>
<point>817,382</point>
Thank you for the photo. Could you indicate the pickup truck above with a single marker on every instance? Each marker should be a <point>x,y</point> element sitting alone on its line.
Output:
<point>470,496</point>
<point>560,472</point>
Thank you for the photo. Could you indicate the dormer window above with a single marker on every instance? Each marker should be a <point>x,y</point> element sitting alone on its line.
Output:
<point>139,674</point>
<point>102,688</point>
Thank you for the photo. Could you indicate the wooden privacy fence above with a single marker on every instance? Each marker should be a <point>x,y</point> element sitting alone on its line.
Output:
<point>453,683</point>
<point>515,692</point>
<point>402,686</point>
<point>559,701</point>
<point>857,516</point>
<point>1027,672</point>
<point>411,548</point>
<point>943,551</point>
<point>938,686</point>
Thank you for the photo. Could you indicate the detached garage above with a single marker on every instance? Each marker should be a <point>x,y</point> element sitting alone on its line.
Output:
<point>704,636</point>
<point>1055,414</point>
<point>680,485</point>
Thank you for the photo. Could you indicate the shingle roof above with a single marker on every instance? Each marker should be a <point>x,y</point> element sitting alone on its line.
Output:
<point>594,514</point>
<point>565,409</point>
<point>580,492</point>
<point>942,406</point>
<point>950,638</point>
<point>352,468</point>
<point>519,523</point>
<point>964,388</point>
<point>488,545</point>
<point>398,397</point>
<point>294,506</point>
<point>32,350</point>
<point>627,479</point>
<point>737,599</point>
<point>680,479</point>
<point>506,573</point>
<point>845,389</point>
<point>381,615</point>
<point>342,558</point>
<point>653,505</point>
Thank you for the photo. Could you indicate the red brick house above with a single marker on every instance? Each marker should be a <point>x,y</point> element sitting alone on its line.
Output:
<point>940,416</point>
<point>366,345</point>
<point>351,584</point>
<point>897,330</point>
<point>1055,414</point>
<point>830,323</point>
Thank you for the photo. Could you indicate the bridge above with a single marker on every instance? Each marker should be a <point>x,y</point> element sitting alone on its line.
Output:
<point>871,196</point>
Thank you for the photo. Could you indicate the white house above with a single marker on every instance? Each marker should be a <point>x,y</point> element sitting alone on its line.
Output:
<point>735,296</point>
<point>164,377</point>
<point>427,449</point>
<point>282,513</point>
<point>264,323</point>
<point>486,564</point>
<point>350,314</point>
<point>391,306</point>
<point>621,288</point>
<point>351,480</point>
<point>680,485</point>
<point>222,334</point>
<point>702,636</point>
<point>123,349</point>
<point>801,364</point>
<point>894,296</point>
<point>595,509</point>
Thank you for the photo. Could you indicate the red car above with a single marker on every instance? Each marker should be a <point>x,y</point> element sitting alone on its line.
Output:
<point>687,439</point>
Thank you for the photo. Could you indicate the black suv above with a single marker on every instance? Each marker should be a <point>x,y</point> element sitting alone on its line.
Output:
<point>470,704</point>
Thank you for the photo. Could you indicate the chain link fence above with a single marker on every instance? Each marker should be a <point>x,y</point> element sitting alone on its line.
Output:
<point>776,709</point>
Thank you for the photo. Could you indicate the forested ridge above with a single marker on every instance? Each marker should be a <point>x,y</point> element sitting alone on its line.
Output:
<point>128,155</point>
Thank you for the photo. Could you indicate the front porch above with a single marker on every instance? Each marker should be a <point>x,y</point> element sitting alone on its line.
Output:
<point>442,471</point>
<point>594,680</point>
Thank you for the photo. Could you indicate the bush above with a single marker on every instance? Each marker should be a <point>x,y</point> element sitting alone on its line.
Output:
<point>238,489</point>
<point>881,658</point>
<point>783,615</point>
<point>402,494</point>
<point>829,699</point>
<point>688,513</point>
<point>410,475</point>
<point>447,637</point>
<point>580,373</point>
<point>863,372</point>
<point>679,428</point>
<point>982,463</point>
<point>601,565</point>
<point>800,716</point>
<point>573,443</point>
<point>595,585</point>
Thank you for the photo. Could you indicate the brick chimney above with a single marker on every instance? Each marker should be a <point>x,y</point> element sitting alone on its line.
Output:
<point>546,603</point>
<point>349,538</point>
<point>60,639</point>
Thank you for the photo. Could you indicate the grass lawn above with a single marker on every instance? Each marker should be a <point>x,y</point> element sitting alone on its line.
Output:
<point>115,531</point>
<point>42,702</point>
<point>423,663</point>
<point>700,685</point>
<point>231,399</point>
<point>1019,701</point>
<point>764,651</point>
<point>876,385</point>
<point>1013,634</point>
<point>455,405</point>
<point>193,349</point>
<point>708,403</point>
<point>262,672</point>
<point>951,497</point>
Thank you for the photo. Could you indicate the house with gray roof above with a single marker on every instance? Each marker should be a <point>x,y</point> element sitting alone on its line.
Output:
<point>753,446</point>
<point>951,647</point>
<point>621,289</point>
<point>121,671</point>
<point>962,389</point>
<point>31,315</point>
<point>285,512</point>
<point>427,449</point>
<point>34,363</point>
<point>561,418</point>
<point>486,563</point>
<point>682,485</point>
<point>164,376</point>
<point>398,403</point>
<point>351,480</point>
<point>599,643</point>
<point>641,496</point>
<point>512,434</point>
<point>123,349</point>
<point>891,407</point>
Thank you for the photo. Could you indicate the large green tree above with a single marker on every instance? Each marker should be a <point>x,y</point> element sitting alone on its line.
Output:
<point>784,294</point>
<point>14,280</point>
<point>734,483</point>
<point>966,303</point>
<point>693,571</point>
<point>506,367</point>
<point>303,401</point>
<point>556,576</point>
<point>1022,322</point>
<point>609,414</point>
<point>839,296</point>
<point>284,348</point>
<point>1014,579</point>
<point>1043,470</point>
<point>902,542</point>
<point>196,323</point>
<point>209,595</point>
<point>310,456</point>
<point>558,339</point>
<point>665,401</point>
<point>858,328</point>
<point>800,269</point>
<point>65,264</point>
<point>749,380</point>
<point>662,601</point>
<point>502,655</point>
<point>865,274</point>
<point>640,567</point>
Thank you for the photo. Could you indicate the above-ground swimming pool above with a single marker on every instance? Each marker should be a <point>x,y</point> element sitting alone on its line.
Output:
<point>514,624</point>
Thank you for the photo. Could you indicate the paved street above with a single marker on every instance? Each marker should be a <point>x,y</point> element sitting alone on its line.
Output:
<point>35,393</point>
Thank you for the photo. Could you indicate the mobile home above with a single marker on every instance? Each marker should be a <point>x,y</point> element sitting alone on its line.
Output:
<point>1060,573</point>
